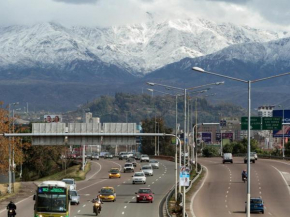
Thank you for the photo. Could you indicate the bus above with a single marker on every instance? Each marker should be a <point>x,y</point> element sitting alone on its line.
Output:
<point>52,199</point>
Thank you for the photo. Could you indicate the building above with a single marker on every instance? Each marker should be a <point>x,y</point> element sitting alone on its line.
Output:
<point>265,111</point>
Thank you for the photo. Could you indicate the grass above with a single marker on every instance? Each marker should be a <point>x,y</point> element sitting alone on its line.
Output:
<point>74,172</point>
<point>3,189</point>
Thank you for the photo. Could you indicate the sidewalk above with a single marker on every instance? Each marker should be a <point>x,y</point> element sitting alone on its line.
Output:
<point>26,190</point>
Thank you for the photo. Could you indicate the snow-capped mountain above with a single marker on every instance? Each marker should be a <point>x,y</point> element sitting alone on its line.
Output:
<point>138,49</point>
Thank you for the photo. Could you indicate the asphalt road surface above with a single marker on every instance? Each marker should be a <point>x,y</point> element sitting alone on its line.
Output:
<point>224,193</point>
<point>160,183</point>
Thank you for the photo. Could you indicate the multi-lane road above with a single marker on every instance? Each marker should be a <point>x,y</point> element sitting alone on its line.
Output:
<point>160,183</point>
<point>224,193</point>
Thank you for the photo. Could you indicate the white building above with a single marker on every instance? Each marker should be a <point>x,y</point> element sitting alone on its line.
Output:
<point>265,111</point>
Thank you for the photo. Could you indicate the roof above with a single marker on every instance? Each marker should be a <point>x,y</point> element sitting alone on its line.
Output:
<point>53,183</point>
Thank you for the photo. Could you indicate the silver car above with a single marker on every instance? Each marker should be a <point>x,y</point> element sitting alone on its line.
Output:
<point>147,169</point>
<point>154,164</point>
<point>75,197</point>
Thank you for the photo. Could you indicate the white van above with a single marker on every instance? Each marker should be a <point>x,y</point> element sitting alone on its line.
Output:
<point>71,183</point>
<point>228,157</point>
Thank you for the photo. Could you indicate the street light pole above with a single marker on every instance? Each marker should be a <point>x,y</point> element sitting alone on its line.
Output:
<point>249,119</point>
<point>283,142</point>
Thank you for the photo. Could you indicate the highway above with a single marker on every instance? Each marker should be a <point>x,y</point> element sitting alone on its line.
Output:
<point>160,183</point>
<point>223,192</point>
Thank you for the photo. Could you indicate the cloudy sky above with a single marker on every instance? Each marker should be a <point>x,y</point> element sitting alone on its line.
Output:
<point>269,14</point>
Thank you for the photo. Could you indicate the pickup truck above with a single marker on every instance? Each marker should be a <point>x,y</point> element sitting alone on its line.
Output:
<point>128,167</point>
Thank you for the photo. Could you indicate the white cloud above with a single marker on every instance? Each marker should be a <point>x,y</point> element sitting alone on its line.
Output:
<point>256,13</point>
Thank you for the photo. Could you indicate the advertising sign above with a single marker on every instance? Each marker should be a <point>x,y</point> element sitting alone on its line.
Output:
<point>52,118</point>
<point>279,113</point>
<point>229,136</point>
<point>184,176</point>
<point>204,137</point>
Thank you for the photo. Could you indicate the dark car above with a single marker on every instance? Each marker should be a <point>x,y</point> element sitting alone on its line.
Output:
<point>256,205</point>
<point>144,195</point>
<point>132,161</point>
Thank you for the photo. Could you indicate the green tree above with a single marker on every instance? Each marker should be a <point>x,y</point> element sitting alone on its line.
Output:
<point>210,151</point>
<point>148,143</point>
<point>228,148</point>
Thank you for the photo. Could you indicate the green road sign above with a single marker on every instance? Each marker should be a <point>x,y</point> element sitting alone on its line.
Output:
<point>256,123</point>
<point>272,123</point>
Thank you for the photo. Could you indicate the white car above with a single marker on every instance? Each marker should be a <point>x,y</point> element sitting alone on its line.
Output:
<point>128,167</point>
<point>144,157</point>
<point>75,197</point>
<point>154,164</point>
<point>255,155</point>
<point>139,177</point>
<point>71,183</point>
<point>147,169</point>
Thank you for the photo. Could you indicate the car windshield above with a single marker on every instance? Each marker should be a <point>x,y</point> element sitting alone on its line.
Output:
<point>139,174</point>
<point>144,191</point>
<point>114,171</point>
<point>146,168</point>
<point>144,156</point>
<point>153,161</point>
<point>70,182</point>
<point>106,191</point>
<point>128,165</point>
<point>256,201</point>
<point>73,193</point>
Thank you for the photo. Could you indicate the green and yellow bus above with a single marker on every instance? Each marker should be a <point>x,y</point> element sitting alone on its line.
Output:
<point>52,200</point>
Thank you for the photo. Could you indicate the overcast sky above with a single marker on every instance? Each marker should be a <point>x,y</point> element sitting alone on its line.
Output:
<point>267,14</point>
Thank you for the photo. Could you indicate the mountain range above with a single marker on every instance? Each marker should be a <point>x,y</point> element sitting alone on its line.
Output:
<point>58,68</point>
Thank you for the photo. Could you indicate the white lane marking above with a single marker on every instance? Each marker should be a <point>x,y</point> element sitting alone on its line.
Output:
<point>162,174</point>
<point>156,180</point>
<point>270,213</point>
<point>229,187</point>
<point>84,205</point>
<point>117,164</point>
<point>94,173</point>
<point>160,177</point>
<point>283,179</point>
<point>192,199</point>
<point>133,198</point>
<point>148,185</point>
<point>230,212</point>
<point>152,182</point>
<point>125,207</point>
<point>227,192</point>
<point>124,182</point>
<point>123,213</point>
<point>92,184</point>
<point>226,206</point>
<point>118,185</point>
<point>79,211</point>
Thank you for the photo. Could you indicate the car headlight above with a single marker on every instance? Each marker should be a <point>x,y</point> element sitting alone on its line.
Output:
<point>138,195</point>
<point>110,174</point>
<point>101,195</point>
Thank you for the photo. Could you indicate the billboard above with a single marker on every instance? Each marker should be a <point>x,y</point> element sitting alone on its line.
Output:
<point>184,176</point>
<point>204,137</point>
<point>228,136</point>
<point>279,133</point>
<point>52,118</point>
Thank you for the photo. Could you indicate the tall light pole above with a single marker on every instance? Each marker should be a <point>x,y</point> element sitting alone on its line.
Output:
<point>249,82</point>
<point>283,142</point>
<point>195,126</point>
<point>152,91</point>
<point>176,142</point>
<point>185,139</point>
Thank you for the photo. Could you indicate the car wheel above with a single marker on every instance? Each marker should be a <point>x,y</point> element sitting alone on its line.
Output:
<point>144,183</point>
<point>245,161</point>
<point>133,183</point>
<point>109,177</point>
<point>119,177</point>
<point>263,212</point>
<point>137,201</point>
<point>253,161</point>
<point>124,171</point>
<point>232,161</point>
<point>151,201</point>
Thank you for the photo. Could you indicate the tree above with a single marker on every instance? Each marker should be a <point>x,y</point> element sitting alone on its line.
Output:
<point>148,143</point>
<point>228,148</point>
<point>4,142</point>
<point>210,151</point>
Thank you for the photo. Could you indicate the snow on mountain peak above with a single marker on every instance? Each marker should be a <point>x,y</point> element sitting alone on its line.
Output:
<point>139,48</point>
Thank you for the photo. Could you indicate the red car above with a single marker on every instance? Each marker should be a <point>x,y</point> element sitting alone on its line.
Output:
<point>144,195</point>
